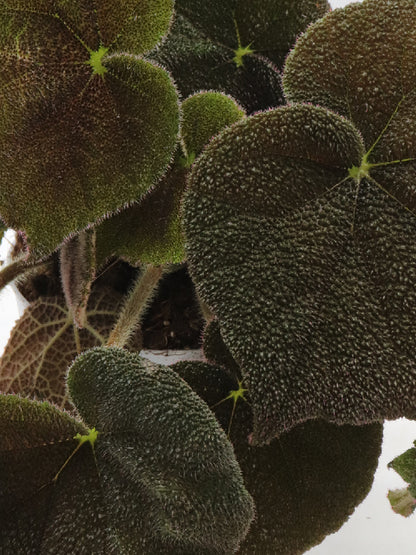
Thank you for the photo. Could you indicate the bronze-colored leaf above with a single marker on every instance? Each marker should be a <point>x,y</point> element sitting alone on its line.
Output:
<point>45,341</point>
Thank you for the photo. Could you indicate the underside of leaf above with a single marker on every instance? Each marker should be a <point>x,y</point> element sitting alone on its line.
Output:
<point>44,342</point>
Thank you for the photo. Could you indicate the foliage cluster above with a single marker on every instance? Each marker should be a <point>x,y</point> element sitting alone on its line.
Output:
<point>270,146</point>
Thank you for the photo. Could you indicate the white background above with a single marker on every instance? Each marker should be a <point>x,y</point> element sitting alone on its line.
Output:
<point>373,529</point>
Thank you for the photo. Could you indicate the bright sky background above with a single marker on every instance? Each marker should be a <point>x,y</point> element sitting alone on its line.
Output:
<point>373,529</point>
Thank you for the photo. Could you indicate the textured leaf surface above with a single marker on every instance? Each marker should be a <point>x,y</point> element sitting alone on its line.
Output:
<point>88,128</point>
<point>359,61</point>
<point>173,472</point>
<point>313,288</point>
<point>216,351</point>
<point>77,268</point>
<point>151,232</point>
<point>305,484</point>
<point>198,63</point>
<point>267,26</point>
<point>43,344</point>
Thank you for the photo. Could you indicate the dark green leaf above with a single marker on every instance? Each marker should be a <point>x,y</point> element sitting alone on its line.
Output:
<point>306,483</point>
<point>198,63</point>
<point>156,474</point>
<point>311,272</point>
<point>269,27</point>
<point>86,125</point>
<point>190,494</point>
<point>216,351</point>
<point>405,465</point>
<point>151,232</point>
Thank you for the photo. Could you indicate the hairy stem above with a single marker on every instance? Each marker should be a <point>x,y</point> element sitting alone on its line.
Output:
<point>136,302</point>
<point>15,269</point>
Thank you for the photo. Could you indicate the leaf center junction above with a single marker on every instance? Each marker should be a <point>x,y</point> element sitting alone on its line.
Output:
<point>95,61</point>
<point>360,172</point>
<point>240,53</point>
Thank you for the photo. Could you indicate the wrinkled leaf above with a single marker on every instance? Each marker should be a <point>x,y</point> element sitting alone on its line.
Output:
<point>314,288</point>
<point>235,47</point>
<point>305,484</point>
<point>151,232</point>
<point>138,482</point>
<point>44,342</point>
<point>86,123</point>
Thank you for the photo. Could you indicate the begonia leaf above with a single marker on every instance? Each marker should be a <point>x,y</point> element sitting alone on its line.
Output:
<point>198,63</point>
<point>216,351</point>
<point>150,232</point>
<point>44,342</point>
<point>86,124</point>
<point>189,493</point>
<point>309,265</point>
<point>266,26</point>
<point>134,483</point>
<point>305,484</point>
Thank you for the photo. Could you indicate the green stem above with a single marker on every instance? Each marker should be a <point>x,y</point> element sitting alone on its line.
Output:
<point>135,305</point>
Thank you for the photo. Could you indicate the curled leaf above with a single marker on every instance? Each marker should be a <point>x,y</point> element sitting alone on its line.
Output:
<point>77,269</point>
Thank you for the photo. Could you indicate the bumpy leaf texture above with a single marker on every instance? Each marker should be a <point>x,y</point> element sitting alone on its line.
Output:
<point>44,342</point>
<point>216,351</point>
<point>174,477</point>
<point>86,125</point>
<point>156,474</point>
<point>198,63</point>
<point>266,26</point>
<point>305,484</point>
<point>151,232</point>
<point>314,287</point>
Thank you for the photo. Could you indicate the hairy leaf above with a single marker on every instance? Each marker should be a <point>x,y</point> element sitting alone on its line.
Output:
<point>86,123</point>
<point>77,269</point>
<point>266,26</point>
<point>314,287</point>
<point>151,232</point>
<point>306,483</point>
<point>188,490</point>
<point>44,342</point>
<point>198,63</point>
<point>236,47</point>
